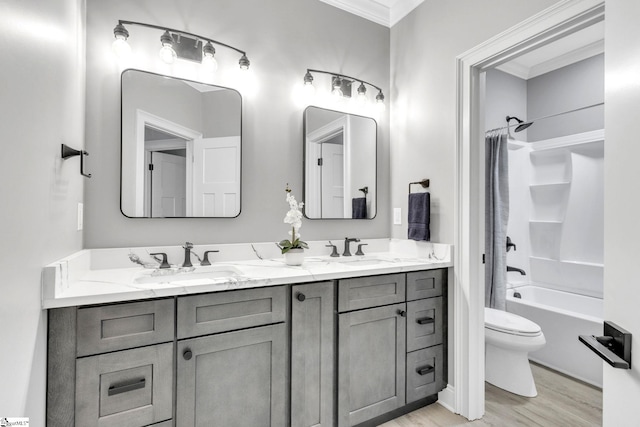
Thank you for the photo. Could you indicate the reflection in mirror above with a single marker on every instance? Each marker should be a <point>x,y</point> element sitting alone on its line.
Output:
<point>181,148</point>
<point>340,165</point>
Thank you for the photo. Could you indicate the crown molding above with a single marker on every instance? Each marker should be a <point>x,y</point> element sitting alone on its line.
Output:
<point>383,12</point>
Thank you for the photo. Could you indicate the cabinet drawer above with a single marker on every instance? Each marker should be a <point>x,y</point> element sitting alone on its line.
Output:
<point>117,327</point>
<point>425,373</point>
<point>373,291</point>
<point>426,284</point>
<point>424,323</point>
<point>227,311</point>
<point>127,388</point>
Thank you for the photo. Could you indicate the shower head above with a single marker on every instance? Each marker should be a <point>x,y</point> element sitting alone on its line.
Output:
<point>521,125</point>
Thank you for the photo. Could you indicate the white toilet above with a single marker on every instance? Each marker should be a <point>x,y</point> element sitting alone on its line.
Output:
<point>508,340</point>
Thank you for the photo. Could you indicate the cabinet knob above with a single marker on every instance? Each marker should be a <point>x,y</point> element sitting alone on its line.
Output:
<point>402,313</point>
<point>187,354</point>
<point>300,297</point>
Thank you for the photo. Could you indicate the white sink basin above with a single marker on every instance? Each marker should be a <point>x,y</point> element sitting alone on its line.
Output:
<point>214,273</point>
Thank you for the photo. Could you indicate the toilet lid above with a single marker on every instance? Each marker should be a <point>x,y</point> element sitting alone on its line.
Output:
<point>503,321</point>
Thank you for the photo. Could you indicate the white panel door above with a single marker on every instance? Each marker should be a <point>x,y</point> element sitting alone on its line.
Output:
<point>332,181</point>
<point>168,185</point>
<point>216,177</point>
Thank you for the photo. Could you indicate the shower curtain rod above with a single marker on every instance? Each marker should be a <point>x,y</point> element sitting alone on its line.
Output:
<point>546,117</point>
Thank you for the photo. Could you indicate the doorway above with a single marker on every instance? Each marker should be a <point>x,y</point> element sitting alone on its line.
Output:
<point>557,22</point>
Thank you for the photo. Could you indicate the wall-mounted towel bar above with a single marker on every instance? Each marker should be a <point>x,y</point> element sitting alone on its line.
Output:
<point>424,183</point>
<point>67,152</point>
<point>614,347</point>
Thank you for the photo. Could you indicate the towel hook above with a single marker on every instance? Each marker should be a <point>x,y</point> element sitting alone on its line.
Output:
<point>365,190</point>
<point>67,152</point>
<point>424,183</point>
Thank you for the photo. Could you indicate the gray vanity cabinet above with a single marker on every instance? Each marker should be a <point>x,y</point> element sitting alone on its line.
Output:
<point>312,354</point>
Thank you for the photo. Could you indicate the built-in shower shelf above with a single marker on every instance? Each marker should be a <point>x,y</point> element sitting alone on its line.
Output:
<point>550,186</point>
<point>533,221</point>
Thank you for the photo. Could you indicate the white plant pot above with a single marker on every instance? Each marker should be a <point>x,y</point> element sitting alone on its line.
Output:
<point>294,257</point>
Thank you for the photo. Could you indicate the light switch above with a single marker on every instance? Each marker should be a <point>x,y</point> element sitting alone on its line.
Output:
<point>397,216</point>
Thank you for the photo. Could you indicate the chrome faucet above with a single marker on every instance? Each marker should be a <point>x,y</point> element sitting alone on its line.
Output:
<point>187,254</point>
<point>347,241</point>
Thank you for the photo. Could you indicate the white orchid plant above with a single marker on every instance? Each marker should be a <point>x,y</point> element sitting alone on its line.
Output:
<point>293,218</point>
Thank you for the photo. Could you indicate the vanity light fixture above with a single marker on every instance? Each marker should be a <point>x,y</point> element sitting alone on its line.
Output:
<point>341,86</point>
<point>177,44</point>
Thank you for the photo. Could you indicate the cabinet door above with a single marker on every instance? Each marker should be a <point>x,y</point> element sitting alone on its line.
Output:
<point>235,379</point>
<point>312,355</point>
<point>371,363</point>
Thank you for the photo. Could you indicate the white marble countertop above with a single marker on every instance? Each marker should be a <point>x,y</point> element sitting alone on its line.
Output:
<point>95,276</point>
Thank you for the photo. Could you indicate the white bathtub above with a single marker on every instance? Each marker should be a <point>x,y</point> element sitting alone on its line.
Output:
<point>562,316</point>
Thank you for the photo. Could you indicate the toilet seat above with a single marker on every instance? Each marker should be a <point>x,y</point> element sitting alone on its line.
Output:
<point>509,323</point>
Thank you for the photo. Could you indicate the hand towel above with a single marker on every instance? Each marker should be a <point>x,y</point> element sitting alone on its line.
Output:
<point>359,208</point>
<point>419,216</point>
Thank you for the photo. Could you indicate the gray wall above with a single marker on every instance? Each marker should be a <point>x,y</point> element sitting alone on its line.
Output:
<point>424,46</point>
<point>282,38</point>
<point>574,86</point>
<point>505,95</point>
<point>42,106</point>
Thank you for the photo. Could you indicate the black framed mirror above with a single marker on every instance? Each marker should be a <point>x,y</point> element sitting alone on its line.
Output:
<point>181,148</point>
<point>340,165</point>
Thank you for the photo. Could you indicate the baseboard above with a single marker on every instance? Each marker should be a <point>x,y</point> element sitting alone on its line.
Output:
<point>446,398</point>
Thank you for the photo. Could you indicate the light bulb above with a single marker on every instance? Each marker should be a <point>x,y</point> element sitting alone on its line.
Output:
<point>208,59</point>
<point>362,95</point>
<point>121,47</point>
<point>244,62</point>
<point>209,62</point>
<point>380,102</point>
<point>337,85</point>
<point>167,54</point>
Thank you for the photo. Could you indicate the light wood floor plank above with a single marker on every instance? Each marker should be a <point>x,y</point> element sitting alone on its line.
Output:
<point>561,402</point>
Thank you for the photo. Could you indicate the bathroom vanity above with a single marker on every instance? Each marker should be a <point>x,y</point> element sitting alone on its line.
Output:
<point>342,342</point>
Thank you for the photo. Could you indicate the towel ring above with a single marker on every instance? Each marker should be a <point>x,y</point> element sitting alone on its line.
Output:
<point>424,183</point>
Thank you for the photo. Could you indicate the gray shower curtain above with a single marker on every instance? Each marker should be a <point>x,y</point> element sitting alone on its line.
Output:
<point>496,219</point>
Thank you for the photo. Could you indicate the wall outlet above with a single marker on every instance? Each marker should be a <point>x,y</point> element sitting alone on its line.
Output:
<point>397,216</point>
<point>80,216</point>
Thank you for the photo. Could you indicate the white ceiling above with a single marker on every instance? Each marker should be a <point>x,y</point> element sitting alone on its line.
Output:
<point>575,47</point>
<point>384,12</point>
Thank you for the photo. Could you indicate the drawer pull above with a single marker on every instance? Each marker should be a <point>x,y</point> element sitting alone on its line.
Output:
<point>425,320</point>
<point>187,354</point>
<point>402,313</point>
<point>126,386</point>
<point>426,370</point>
<point>301,297</point>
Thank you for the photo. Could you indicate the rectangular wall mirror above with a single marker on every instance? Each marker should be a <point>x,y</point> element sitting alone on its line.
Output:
<point>181,148</point>
<point>340,169</point>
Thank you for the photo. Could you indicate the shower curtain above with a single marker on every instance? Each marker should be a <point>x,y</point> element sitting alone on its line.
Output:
<point>496,219</point>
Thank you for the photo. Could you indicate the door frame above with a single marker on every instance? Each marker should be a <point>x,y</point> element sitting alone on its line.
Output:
<point>551,24</point>
<point>143,119</point>
<point>313,142</point>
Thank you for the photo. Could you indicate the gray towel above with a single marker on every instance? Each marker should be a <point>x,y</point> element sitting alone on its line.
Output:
<point>419,216</point>
<point>359,208</point>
